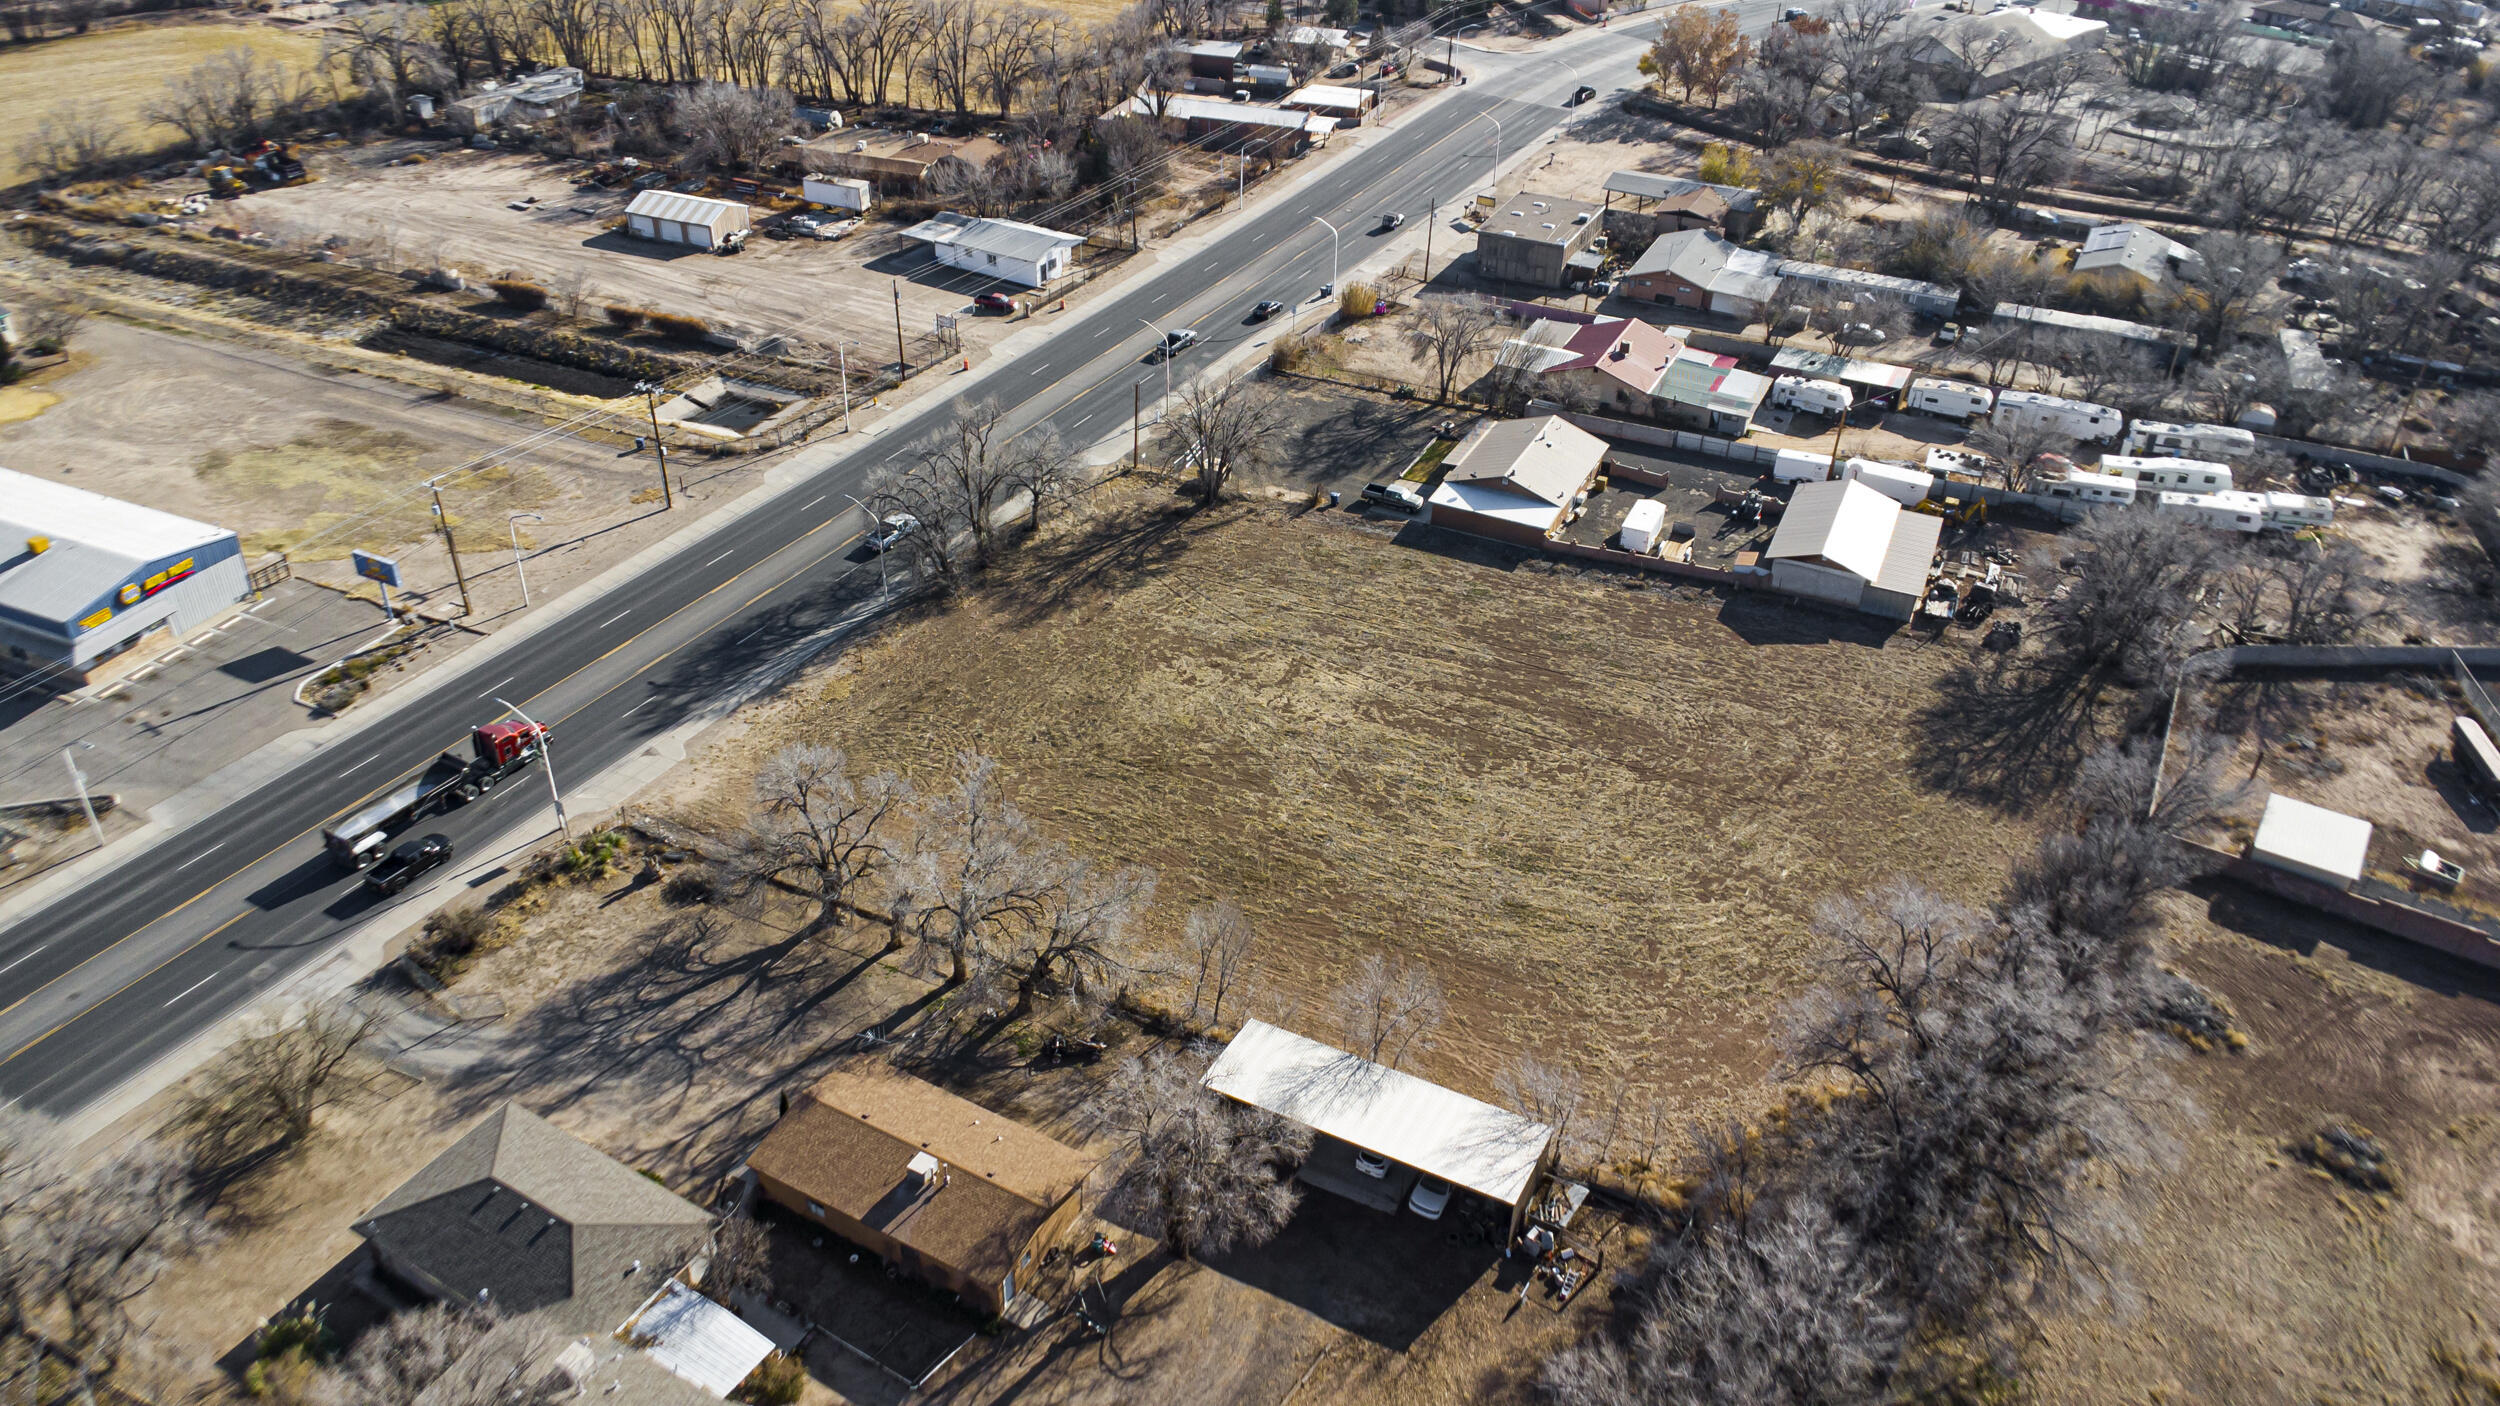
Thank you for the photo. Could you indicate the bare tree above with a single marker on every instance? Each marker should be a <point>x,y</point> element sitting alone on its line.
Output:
<point>816,829</point>
<point>729,126</point>
<point>1216,943</point>
<point>1389,1009</point>
<point>73,139</point>
<point>264,1092</point>
<point>1548,1091</point>
<point>2008,145</point>
<point>447,1355</point>
<point>959,489</point>
<point>1212,1174</point>
<point>1082,939</point>
<point>741,1259</point>
<point>79,1245</point>
<point>970,877</point>
<point>49,325</point>
<point>2234,270</point>
<point>226,101</point>
<point>1219,429</point>
<point>1802,178</point>
<point>1449,331</point>
<point>2019,447</point>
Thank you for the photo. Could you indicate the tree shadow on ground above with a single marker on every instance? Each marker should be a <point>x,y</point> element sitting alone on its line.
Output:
<point>1121,547</point>
<point>1144,1291</point>
<point>2005,732</point>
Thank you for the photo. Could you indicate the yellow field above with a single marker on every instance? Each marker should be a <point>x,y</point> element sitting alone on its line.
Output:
<point>126,68</point>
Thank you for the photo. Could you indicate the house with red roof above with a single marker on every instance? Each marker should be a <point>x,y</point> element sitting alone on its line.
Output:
<point>1626,367</point>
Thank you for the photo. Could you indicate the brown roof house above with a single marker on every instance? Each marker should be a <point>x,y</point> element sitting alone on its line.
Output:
<point>960,1196</point>
<point>527,1218</point>
<point>1517,480</point>
<point>899,162</point>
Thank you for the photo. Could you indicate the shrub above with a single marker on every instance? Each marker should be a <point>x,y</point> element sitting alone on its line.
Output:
<point>776,1381</point>
<point>1357,300</point>
<point>624,318</point>
<point>1287,352</point>
<point>456,932</point>
<point>519,293</point>
<point>680,328</point>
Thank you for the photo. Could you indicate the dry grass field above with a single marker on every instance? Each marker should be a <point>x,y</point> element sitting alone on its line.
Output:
<point>125,68</point>
<point>1602,816</point>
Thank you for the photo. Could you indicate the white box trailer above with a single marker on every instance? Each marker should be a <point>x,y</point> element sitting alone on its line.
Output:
<point>2184,475</point>
<point>1801,466</point>
<point>837,192</point>
<point>2094,488</point>
<point>1642,525</point>
<point>1899,482</point>
<point>2224,512</point>
<point>1954,400</point>
<point>2192,441</point>
<point>2078,419</point>
<point>1810,395</point>
<point>2298,510</point>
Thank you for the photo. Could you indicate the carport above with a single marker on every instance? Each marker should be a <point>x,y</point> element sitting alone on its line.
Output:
<point>1352,1104</point>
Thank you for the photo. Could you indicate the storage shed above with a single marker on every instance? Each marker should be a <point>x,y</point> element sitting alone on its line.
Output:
<point>2312,841</point>
<point>670,218</point>
<point>1899,482</point>
<point>837,192</point>
<point>1845,543</point>
<point>1352,1105</point>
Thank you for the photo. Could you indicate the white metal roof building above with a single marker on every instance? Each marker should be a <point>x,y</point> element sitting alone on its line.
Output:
<point>671,218</point>
<point>1004,249</point>
<point>2312,841</point>
<point>697,1339</point>
<point>1441,1132</point>
<point>1844,542</point>
<point>85,578</point>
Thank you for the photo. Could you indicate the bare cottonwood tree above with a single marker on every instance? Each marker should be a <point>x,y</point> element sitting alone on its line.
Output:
<point>447,1355</point>
<point>1388,1010</point>
<point>1222,428</point>
<point>817,829</point>
<point>2018,447</point>
<point>73,139</point>
<point>264,1092</point>
<point>79,1244</point>
<point>1449,331</point>
<point>732,127</point>
<point>1548,1091</point>
<point>740,1260</point>
<point>959,489</point>
<point>1212,1174</point>
<point>1082,938</point>
<point>1216,944</point>
<point>971,877</point>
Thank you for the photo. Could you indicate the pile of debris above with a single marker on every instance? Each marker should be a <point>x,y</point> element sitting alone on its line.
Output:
<point>2352,1155</point>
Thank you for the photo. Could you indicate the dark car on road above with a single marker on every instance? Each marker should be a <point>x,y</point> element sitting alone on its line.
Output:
<point>1266,310</point>
<point>1174,343</point>
<point>408,863</point>
<point>994,302</point>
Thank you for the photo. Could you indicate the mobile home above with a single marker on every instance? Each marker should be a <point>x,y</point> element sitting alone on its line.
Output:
<point>2184,475</point>
<point>1899,482</point>
<point>2080,419</point>
<point>2226,512</point>
<point>1812,396</point>
<point>2298,510</point>
<point>2094,488</point>
<point>1954,400</point>
<point>1801,466</point>
<point>2202,441</point>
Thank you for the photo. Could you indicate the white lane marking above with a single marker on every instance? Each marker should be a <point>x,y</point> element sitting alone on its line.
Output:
<point>812,502</point>
<point>13,966</point>
<point>490,688</point>
<point>722,557</point>
<point>194,986</point>
<point>633,710</point>
<point>367,761</point>
<point>742,639</point>
<point>203,854</point>
<point>616,617</point>
<point>1081,419</point>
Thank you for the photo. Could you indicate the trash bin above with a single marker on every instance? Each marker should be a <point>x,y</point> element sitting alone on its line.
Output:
<point>1333,497</point>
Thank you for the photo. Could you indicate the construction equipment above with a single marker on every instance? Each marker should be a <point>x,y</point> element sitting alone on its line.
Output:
<point>267,166</point>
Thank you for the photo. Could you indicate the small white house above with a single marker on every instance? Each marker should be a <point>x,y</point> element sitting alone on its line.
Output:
<point>1954,400</point>
<point>1642,525</point>
<point>2224,512</point>
<point>1008,250</point>
<point>2078,419</point>
<point>1801,466</point>
<point>837,192</point>
<point>1899,482</point>
<point>1849,545</point>
<point>2289,510</point>
<point>1812,396</point>
<point>2184,475</point>
<point>670,218</point>
<point>2094,488</point>
<point>2202,441</point>
<point>2316,843</point>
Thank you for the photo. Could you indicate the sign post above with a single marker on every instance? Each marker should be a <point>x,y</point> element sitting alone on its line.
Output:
<point>382,570</point>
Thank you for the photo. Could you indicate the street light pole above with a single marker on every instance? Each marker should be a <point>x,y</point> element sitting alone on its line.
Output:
<point>69,758</point>
<point>1332,254</point>
<point>1493,174</point>
<point>872,527</point>
<point>512,521</point>
<point>1163,352</point>
<point>547,754</point>
<point>651,397</point>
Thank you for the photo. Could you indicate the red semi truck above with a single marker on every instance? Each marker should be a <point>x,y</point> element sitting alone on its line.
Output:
<point>497,750</point>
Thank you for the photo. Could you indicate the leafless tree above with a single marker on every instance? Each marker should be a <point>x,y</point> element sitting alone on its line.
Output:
<point>970,877</point>
<point>1548,1091</point>
<point>2236,269</point>
<point>1388,1010</point>
<point>1222,428</point>
<point>79,1244</point>
<point>817,830</point>
<point>264,1092</point>
<point>731,127</point>
<point>959,489</point>
<point>2008,145</point>
<point>73,139</point>
<point>447,1355</point>
<point>1449,331</point>
<point>2127,613</point>
<point>1082,938</point>
<point>1216,944</point>
<point>2019,447</point>
<point>227,101</point>
<point>1803,178</point>
<point>2369,78</point>
<point>570,290</point>
<point>741,1258</point>
<point>49,325</point>
<point>1212,1174</point>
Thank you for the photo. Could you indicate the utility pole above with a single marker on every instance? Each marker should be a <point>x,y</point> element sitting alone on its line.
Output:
<point>842,350</point>
<point>1136,423</point>
<point>1432,216</point>
<point>902,358</point>
<point>651,398</point>
<point>513,522</point>
<point>78,778</point>
<point>435,487</point>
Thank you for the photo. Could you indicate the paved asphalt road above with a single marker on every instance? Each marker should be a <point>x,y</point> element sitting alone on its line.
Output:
<point>119,972</point>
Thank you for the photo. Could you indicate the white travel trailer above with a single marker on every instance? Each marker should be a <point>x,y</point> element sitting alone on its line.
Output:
<point>1812,396</point>
<point>2079,419</point>
<point>1954,400</point>
<point>2226,512</point>
<point>1642,524</point>
<point>1899,482</point>
<point>1801,466</point>
<point>2290,510</point>
<point>2196,441</point>
<point>2183,475</point>
<point>2094,488</point>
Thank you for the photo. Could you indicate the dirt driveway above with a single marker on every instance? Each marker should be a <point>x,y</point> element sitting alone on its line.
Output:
<point>456,209</point>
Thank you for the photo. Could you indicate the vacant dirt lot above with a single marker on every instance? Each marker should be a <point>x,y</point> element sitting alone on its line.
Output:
<point>1603,816</point>
<point>125,69</point>
<point>2257,1280</point>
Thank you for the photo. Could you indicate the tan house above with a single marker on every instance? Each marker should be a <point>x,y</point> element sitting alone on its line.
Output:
<point>1517,480</point>
<point>900,162</point>
<point>961,1197</point>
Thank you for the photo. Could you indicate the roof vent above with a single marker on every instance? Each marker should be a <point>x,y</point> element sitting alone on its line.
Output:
<point>1540,206</point>
<point>922,1168</point>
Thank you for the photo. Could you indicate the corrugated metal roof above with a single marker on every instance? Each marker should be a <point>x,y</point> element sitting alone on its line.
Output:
<point>96,543</point>
<point>685,209</point>
<point>1909,554</point>
<point>1490,1151</point>
<point>699,1340</point>
<point>2303,836</point>
<point>1841,522</point>
<point>1646,186</point>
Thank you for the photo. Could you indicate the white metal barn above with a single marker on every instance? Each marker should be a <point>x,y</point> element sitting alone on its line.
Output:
<point>86,579</point>
<point>1353,1105</point>
<point>670,218</point>
<point>1843,542</point>
<point>2316,843</point>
